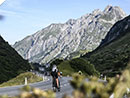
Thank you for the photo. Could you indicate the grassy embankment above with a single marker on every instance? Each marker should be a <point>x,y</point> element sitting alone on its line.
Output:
<point>20,79</point>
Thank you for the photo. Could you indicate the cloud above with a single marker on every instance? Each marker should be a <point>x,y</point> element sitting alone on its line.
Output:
<point>14,4</point>
<point>8,13</point>
<point>11,8</point>
<point>14,8</point>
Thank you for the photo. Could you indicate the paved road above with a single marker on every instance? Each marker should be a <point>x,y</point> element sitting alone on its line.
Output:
<point>65,87</point>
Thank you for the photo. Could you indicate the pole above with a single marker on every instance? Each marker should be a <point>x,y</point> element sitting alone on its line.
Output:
<point>26,82</point>
<point>43,78</point>
<point>105,78</point>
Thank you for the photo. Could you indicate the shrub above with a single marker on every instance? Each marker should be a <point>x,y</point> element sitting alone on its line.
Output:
<point>83,65</point>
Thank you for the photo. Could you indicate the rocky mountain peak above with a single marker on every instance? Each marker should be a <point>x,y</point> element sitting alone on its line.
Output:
<point>109,8</point>
<point>59,40</point>
<point>120,10</point>
<point>71,22</point>
<point>115,10</point>
<point>97,11</point>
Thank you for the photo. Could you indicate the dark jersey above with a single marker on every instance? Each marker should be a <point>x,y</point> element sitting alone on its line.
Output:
<point>54,74</point>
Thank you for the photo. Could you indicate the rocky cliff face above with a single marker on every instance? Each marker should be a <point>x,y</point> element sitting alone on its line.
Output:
<point>118,30</point>
<point>113,55</point>
<point>59,40</point>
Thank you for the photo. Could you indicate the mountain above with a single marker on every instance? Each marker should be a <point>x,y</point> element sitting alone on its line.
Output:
<point>59,40</point>
<point>112,56</point>
<point>11,63</point>
<point>118,30</point>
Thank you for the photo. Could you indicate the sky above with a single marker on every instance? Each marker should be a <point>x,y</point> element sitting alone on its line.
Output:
<point>26,17</point>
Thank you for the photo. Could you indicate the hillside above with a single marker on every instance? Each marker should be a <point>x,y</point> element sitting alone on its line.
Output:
<point>11,63</point>
<point>20,79</point>
<point>61,39</point>
<point>112,56</point>
<point>69,67</point>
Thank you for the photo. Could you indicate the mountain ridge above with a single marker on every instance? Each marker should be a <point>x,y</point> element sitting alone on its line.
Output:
<point>120,27</point>
<point>59,40</point>
<point>112,56</point>
<point>109,59</point>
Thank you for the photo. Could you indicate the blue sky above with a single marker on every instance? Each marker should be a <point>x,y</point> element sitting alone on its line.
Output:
<point>25,17</point>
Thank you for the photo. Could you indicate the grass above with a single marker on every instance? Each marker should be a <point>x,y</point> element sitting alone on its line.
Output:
<point>66,68</point>
<point>20,79</point>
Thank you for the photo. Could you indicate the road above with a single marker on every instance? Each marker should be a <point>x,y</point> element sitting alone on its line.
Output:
<point>44,85</point>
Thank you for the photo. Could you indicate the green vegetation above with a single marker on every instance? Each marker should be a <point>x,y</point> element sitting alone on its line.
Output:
<point>65,68</point>
<point>112,58</point>
<point>68,67</point>
<point>85,66</point>
<point>55,62</point>
<point>90,89</point>
<point>94,89</point>
<point>109,59</point>
<point>11,63</point>
<point>20,79</point>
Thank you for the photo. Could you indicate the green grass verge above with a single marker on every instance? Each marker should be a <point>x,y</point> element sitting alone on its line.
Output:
<point>20,79</point>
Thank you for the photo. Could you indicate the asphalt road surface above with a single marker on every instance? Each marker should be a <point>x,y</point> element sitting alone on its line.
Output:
<point>45,85</point>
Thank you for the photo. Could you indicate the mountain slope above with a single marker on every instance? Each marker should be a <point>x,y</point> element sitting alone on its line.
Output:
<point>59,40</point>
<point>112,56</point>
<point>11,63</point>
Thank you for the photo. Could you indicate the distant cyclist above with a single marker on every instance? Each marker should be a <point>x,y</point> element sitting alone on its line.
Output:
<point>55,80</point>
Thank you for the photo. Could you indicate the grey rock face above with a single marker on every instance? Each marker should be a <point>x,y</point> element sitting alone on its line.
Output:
<point>119,29</point>
<point>59,40</point>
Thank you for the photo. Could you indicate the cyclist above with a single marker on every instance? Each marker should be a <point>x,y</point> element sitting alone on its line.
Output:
<point>55,80</point>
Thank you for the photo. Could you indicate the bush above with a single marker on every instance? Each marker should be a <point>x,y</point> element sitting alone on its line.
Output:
<point>83,65</point>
